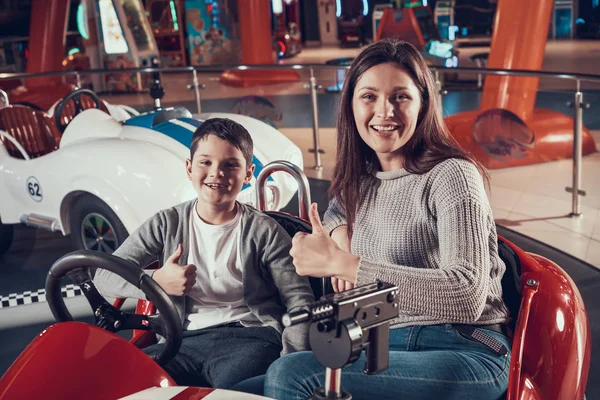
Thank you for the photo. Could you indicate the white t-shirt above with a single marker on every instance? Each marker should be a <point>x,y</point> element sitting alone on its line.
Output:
<point>217,296</point>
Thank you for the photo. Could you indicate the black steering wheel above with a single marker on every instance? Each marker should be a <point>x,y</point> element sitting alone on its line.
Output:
<point>76,265</point>
<point>75,95</point>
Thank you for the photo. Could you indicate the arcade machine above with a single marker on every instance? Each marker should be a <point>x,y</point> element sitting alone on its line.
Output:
<point>14,41</point>
<point>253,19</point>
<point>116,35</point>
<point>377,15</point>
<point>443,15</point>
<point>351,18</point>
<point>328,27</point>
<point>563,19</point>
<point>414,23</point>
<point>165,17</point>
<point>286,27</point>
<point>588,23</point>
<point>212,32</point>
<point>14,53</point>
<point>474,23</point>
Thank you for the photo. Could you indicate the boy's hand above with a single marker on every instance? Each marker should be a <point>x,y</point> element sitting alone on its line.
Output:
<point>175,279</point>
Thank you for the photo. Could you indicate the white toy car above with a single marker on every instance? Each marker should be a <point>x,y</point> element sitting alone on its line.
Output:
<point>104,175</point>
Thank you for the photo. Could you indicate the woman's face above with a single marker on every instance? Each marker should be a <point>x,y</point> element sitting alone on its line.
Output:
<point>386,105</point>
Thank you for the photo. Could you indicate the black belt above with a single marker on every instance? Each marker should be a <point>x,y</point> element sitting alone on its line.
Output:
<point>477,333</point>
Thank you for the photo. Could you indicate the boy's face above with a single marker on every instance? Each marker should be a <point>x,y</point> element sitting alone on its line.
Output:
<point>218,170</point>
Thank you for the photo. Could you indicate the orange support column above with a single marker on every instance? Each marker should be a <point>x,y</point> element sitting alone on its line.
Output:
<point>256,44</point>
<point>46,39</point>
<point>507,130</point>
<point>518,42</point>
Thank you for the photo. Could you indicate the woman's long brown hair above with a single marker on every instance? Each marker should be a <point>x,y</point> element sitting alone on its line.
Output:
<point>430,144</point>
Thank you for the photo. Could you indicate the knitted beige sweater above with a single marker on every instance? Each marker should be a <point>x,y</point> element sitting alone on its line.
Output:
<point>432,235</point>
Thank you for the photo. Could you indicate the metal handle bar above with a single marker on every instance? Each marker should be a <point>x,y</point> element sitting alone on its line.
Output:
<point>296,173</point>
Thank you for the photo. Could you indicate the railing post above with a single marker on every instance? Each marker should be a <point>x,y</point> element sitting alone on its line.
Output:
<point>196,90</point>
<point>313,95</point>
<point>577,151</point>
<point>440,91</point>
<point>78,78</point>
<point>575,189</point>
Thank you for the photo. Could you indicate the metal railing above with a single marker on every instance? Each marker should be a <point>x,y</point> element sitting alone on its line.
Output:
<point>578,103</point>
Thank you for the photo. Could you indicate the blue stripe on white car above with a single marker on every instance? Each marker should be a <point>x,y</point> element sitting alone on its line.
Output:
<point>182,130</point>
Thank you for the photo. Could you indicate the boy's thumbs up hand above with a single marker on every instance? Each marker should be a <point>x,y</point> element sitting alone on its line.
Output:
<point>313,253</point>
<point>175,279</point>
<point>174,258</point>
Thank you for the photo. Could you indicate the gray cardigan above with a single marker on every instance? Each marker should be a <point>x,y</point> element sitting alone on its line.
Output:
<point>270,282</point>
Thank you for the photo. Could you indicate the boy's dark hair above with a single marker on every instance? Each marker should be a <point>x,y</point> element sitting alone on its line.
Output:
<point>226,129</point>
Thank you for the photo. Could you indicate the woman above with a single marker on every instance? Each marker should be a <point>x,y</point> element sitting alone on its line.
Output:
<point>408,207</point>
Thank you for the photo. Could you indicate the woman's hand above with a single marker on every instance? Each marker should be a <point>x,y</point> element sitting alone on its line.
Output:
<point>318,255</point>
<point>340,285</point>
<point>341,238</point>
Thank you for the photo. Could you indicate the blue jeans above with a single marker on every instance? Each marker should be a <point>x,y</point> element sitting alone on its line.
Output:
<point>222,356</point>
<point>426,362</point>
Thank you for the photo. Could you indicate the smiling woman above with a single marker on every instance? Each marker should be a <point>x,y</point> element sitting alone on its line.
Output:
<point>389,85</point>
<point>407,206</point>
<point>386,106</point>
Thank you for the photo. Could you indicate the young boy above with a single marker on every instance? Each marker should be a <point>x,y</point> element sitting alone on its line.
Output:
<point>225,264</point>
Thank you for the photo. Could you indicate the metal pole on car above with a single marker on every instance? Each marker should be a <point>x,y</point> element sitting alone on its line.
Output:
<point>575,189</point>
<point>313,95</point>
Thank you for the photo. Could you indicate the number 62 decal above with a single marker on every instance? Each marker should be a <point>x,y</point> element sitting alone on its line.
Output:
<point>34,188</point>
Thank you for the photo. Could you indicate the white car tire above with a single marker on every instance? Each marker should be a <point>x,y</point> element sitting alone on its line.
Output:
<point>6,237</point>
<point>94,226</point>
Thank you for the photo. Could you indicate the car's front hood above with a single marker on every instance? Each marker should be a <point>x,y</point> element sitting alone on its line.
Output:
<point>179,125</point>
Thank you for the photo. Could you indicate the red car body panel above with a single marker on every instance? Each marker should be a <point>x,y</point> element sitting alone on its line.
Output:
<point>551,350</point>
<point>74,360</point>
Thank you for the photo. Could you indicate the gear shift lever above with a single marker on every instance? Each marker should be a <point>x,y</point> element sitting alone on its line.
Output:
<point>342,325</point>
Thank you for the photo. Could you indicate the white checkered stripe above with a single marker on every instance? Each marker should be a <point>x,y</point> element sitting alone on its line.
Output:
<point>37,296</point>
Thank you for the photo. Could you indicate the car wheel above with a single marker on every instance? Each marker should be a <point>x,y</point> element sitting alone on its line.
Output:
<point>94,226</point>
<point>6,237</point>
